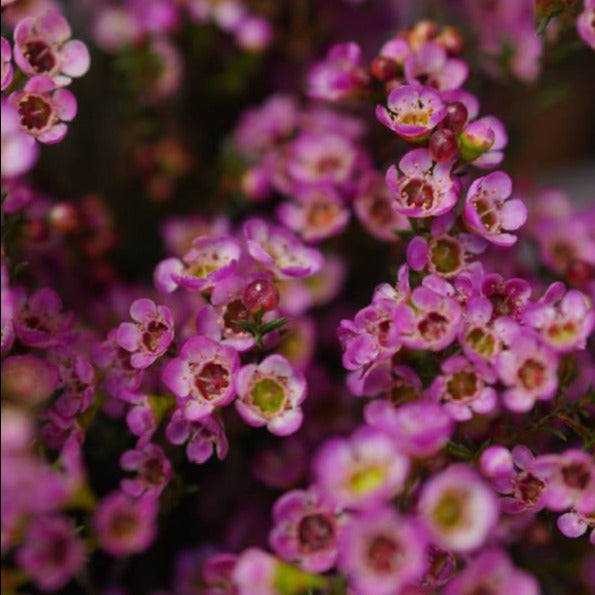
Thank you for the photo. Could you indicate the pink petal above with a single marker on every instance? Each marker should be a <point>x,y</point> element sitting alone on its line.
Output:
<point>75,58</point>
<point>64,104</point>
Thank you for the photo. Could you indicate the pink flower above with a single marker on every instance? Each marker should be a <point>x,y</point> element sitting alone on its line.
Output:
<point>149,336</point>
<point>42,45</point>
<point>381,551</point>
<point>528,369</point>
<point>361,471</point>
<point>575,524</point>
<point>152,467</point>
<point>431,65</point>
<point>306,530</point>
<point>412,112</point>
<point>202,438</point>
<point>44,109</point>
<point>52,553</point>
<point>6,58</point>
<point>585,24</point>
<point>202,376</point>
<point>488,211</point>
<point>421,187</point>
<point>270,394</point>
<point>458,509</point>
<point>19,149</point>
<point>124,525</point>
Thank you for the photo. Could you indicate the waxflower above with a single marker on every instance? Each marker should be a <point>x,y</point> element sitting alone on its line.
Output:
<point>432,66</point>
<point>202,438</point>
<point>476,139</point>
<point>421,187</point>
<point>152,467</point>
<point>270,394</point>
<point>464,388</point>
<point>339,75</point>
<point>280,251</point>
<point>492,572</point>
<point>494,155</point>
<point>43,46</point>
<point>575,524</point>
<point>210,260</point>
<point>306,530</point>
<point>381,551</point>
<point>125,525</point>
<point>202,376</point>
<point>528,369</point>
<point>44,109</point>
<point>149,336</point>
<point>52,553</point>
<point>6,58</point>
<point>508,296</point>
<point>489,212</point>
<point>585,23</point>
<point>361,471</point>
<point>27,379</point>
<point>458,509</point>
<point>412,111</point>
<point>318,213</point>
<point>419,429</point>
<point>19,149</point>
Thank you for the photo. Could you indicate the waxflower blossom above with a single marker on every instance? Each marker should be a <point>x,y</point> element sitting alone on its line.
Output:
<point>458,509</point>
<point>432,66</point>
<point>202,438</point>
<point>528,369</point>
<point>149,336</point>
<point>381,551</point>
<point>280,251</point>
<point>306,530</point>
<point>464,388</point>
<point>412,111</point>
<point>493,572</point>
<point>202,376</point>
<point>52,553</point>
<point>421,187</point>
<point>19,149</point>
<point>43,46</point>
<point>270,394</point>
<point>475,140</point>
<point>574,524</point>
<point>7,69</point>
<point>585,23</point>
<point>153,470</point>
<point>362,471</point>
<point>44,109</point>
<point>490,213</point>
<point>125,525</point>
<point>210,260</point>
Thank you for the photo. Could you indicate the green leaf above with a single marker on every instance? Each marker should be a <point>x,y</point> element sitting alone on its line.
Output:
<point>245,324</point>
<point>273,325</point>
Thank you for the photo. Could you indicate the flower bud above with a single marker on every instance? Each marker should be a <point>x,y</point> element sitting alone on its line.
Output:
<point>384,69</point>
<point>261,296</point>
<point>476,138</point>
<point>443,145</point>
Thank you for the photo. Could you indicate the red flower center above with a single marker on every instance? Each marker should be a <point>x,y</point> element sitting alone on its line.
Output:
<point>40,56</point>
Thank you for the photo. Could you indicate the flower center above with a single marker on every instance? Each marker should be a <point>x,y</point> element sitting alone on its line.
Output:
<point>382,554</point>
<point>152,471</point>
<point>403,393</point>
<point>562,332</point>
<point>152,335</point>
<point>462,385</point>
<point>529,487</point>
<point>576,476</point>
<point>315,532</point>
<point>449,510</point>
<point>35,112</point>
<point>328,164</point>
<point>322,214</point>
<point>487,214</point>
<point>268,396</point>
<point>418,194</point>
<point>235,311</point>
<point>414,117</point>
<point>212,379</point>
<point>367,479</point>
<point>123,524</point>
<point>40,56</point>
<point>481,342</point>
<point>446,256</point>
<point>433,326</point>
<point>532,374</point>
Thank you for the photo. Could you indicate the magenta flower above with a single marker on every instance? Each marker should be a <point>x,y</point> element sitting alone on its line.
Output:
<point>489,212</point>
<point>209,261</point>
<point>124,525</point>
<point>153,470</point>
<point>52,553</point>
<point>381,551</point>
<point>280,251</point>
<point>6,59</point>
<point>421,187</point>
<point>516,477</point>
<point>19,149</point>
<point>575,524</point>
<point>362,471</point>
<point>564,321</point>
<point>412,112</point>
<point>570,478</point>
<point>528,369</point>
<point>27,379</point>
<point>420,429</point>
<point>39,320</point>
<point>339,75</point>
<point>464,388</point>
<point>306,530</point>
<point>218,321</point>
<point>585,23</point>
<point>508,297</point>
<point>202,376</point>
<point>431,66</point>
<point>44,109</point>
<point>493,572</point>
<point>149,336</point>
<point>270,394</point>
<point>458,509</point>
<point>202,438</point>
<point>42,45</point>
<point>318,213</point>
